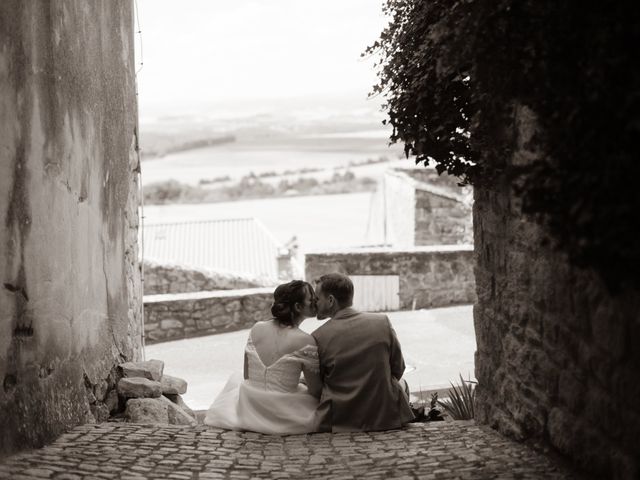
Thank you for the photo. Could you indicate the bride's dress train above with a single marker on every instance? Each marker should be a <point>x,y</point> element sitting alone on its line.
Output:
<point>271,400</point>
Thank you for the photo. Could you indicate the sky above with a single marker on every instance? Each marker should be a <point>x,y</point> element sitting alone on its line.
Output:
<point>252,54</point>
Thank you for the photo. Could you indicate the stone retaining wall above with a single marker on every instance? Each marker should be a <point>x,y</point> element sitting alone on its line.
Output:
<point>430,277</point>
<point>161,278</point>
<point>185,315</point>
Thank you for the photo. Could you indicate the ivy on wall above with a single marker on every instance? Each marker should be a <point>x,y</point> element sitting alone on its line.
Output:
<point>453,72</point>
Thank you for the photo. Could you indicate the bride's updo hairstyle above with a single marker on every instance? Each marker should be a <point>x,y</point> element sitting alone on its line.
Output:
<point>285,297</point>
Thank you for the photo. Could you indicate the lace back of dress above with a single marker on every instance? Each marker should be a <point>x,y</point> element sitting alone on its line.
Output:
<point>284,374</point>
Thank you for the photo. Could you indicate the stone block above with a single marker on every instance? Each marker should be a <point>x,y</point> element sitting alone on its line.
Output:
<point>176,415</point>
<point>156,335</point>
<point>233,306</point>
<point>203,324</point>
<point>178,400</point>
<point>151,369</point>
<point>173,385</point>
<point>170,323</point>
<point>222,320</point>
<point>147,410</point>
<point>138,387</point>
<point>174,333</point>
<point>150,326</point>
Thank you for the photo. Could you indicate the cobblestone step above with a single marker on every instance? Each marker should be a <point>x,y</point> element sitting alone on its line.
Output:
<point>438,450</point>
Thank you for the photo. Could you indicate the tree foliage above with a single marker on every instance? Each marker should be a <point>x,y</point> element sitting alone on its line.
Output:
<point>454,71</point>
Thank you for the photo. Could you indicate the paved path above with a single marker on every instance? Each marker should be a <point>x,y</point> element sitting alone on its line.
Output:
<point>439,450</point>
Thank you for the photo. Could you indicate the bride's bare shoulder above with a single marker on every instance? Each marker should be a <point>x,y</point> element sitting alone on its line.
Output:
<point>262,325</point>
<point>260,329</point>
<point>303,339</point>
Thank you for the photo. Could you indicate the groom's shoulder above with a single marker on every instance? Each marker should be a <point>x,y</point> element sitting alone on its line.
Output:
<point>373,319</point>
<point>381,317</point>
<point>324,332</point>
<point>321,329</point>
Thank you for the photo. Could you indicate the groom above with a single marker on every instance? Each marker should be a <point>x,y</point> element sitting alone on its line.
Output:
<point>360,364</point>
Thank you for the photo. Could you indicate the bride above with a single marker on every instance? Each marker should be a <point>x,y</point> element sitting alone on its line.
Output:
<point>273,398</point>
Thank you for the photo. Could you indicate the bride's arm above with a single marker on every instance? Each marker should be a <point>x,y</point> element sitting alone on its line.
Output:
<point>308,353</point>
<point>313,380</point>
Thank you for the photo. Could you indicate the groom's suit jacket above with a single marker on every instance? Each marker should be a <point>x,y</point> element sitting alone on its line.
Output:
<point>360,365</point>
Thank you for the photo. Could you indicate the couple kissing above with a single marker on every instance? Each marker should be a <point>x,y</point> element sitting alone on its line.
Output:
<point>344,377</point>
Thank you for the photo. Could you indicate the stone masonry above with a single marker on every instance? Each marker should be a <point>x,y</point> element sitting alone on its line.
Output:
<point>172,317</point>
<point>430,277</point>
<point>558,356</point>
<point>431,451</point>
<point>160,278</point>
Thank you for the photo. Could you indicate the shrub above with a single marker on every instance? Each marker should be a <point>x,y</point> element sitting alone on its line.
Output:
<point>461,402</point>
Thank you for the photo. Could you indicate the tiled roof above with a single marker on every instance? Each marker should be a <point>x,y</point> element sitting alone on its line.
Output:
<point>239,245</point>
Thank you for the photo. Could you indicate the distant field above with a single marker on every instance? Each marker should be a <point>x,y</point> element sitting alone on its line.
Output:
<point>323,221</point>
<point>238,159</point>
<point>318,221</point>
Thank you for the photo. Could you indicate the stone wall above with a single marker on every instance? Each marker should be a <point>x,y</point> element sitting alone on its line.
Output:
<point>424,208</point>
<point>442,219</point>
<point>177,316</point>
<point>70,301</point>
<point>430,277</point>
<point>558,357</point>
<point>160,278</point>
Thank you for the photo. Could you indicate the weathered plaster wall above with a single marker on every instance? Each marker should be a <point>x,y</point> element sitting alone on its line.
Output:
<point>69,303</point>
<point>431,277</point>
<point>558,356</point>
<point>161,278</point>
<point>185,315</point>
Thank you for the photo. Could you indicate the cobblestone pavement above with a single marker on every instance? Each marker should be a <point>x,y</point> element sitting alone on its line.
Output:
<point>440,450</point>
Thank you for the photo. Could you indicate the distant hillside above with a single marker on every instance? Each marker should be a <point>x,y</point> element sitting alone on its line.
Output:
<point>159,145</point>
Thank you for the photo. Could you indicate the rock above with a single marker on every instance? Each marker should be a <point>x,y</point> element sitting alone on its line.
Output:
<point>173,385</point>
<point>91,398</point>
<point>151,369</point>
<point>147,410</point>
<point>100,412</point>
<point>111,401</point>
<point>139,388</point>
<point>177,399</point>
<point>101,390</point>
<point>177,416</point>
<point>170,323</point>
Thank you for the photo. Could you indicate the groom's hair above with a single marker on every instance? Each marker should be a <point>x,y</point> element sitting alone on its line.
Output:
<point>338,285</point>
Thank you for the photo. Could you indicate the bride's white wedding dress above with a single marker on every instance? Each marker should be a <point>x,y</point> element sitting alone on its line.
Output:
<point>271,400</point>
